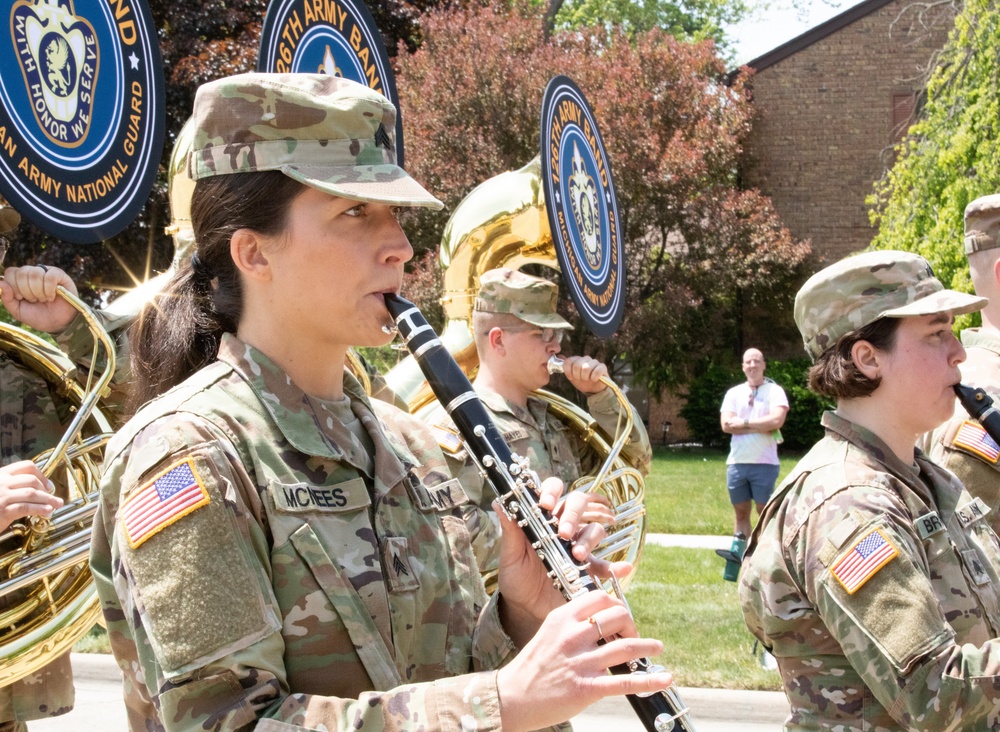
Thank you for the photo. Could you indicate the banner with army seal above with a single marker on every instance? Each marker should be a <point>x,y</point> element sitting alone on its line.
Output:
<point>336,37</point>
<point>582,207</point>
<point>81,114</point>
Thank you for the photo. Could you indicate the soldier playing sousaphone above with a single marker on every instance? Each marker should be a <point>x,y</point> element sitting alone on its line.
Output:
<point>517,330</point>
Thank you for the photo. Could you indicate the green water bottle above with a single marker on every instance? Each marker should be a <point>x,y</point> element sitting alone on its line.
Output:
<point>733,556</point>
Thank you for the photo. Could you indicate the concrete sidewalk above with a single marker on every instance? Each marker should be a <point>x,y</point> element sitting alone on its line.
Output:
<point>690,541</point>
<point>750,707</point>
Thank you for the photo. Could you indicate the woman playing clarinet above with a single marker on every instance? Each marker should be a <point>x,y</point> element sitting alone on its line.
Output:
<point>273,550</point>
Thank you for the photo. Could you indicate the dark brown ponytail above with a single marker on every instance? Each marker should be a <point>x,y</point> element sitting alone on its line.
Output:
<point>179,331</point>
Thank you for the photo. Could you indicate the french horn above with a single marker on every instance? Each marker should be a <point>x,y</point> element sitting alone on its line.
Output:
<point>503,223</point>
<point>48,597</point>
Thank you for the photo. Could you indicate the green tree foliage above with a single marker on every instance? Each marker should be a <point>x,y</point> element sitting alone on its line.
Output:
<point>802,427</point>
<point>802,424</point>
<point>951,155</point>
<point>698,248</point>
<point>695,20</point>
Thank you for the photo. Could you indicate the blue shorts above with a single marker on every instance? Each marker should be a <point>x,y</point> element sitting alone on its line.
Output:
<point>751,480</point>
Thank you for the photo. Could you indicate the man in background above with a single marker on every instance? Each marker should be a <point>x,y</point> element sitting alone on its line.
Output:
<point>753,413</point>
<point>961,444</point>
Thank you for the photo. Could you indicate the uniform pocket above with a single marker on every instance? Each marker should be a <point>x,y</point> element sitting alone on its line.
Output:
<point>358,630</point>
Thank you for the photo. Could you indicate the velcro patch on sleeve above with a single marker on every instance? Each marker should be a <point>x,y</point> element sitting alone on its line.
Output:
<point>971,436</point>
<point>168,497</point>
<point>863,560</point>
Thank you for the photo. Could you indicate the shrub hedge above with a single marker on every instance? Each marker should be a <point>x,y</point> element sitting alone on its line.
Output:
<point>705,393</point>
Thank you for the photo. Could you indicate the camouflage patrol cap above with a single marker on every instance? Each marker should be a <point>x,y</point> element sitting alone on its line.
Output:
<point>327,132</point>
<point>531,299</point>
<point>982,224</point>
<point>861,289</point>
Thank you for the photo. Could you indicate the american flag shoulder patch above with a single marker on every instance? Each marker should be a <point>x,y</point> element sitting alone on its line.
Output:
<point>973,437</point>
<point>447,439</point>
<point>169,497</point>
<point>872,552</point>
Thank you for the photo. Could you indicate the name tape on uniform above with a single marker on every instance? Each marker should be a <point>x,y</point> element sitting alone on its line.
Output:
<point>349,495</point>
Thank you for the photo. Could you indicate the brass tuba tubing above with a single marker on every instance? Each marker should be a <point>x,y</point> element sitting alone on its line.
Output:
<point>555,366</point>
<point>94,393</point>
<point>48,596</point>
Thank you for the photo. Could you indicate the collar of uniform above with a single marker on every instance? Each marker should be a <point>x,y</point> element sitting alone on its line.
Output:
<point>981,338</point>
<point>498,404</point>
<point>873,447</point>
<point>284,401</point>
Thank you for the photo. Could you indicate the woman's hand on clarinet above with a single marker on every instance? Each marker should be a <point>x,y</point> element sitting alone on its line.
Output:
<point>29,294</point>
<point>523,581</point>
<point>25,491</point>
<point>563,669</point>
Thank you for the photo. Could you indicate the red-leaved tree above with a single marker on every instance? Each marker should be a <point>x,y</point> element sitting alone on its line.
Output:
<point>699,250</point>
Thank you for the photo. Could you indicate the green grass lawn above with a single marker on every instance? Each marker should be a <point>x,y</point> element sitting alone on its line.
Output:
<point>686,491</point>
<point>679,597</point>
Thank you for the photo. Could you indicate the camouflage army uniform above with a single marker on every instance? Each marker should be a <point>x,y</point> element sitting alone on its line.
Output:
<point>873,579</point>
<point>30,423</point>
<point>552,448</point>
<point>300,589</point>
<point>919,628</point>
<point>959,443</point>
<point>32,420</point>
<point>535,432</point>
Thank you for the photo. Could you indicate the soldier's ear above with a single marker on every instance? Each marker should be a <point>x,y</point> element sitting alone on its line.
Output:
<point>497,340</point>
<point>246,249</point>
<point>867,359</point>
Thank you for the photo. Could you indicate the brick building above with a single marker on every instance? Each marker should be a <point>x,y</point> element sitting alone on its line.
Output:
<point>831,104</point>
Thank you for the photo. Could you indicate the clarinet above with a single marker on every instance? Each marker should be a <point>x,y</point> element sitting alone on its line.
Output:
<point>979,405</point>
<point>514,483</point>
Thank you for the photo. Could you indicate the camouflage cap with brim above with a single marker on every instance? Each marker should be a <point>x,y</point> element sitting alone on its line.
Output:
<point>982,224</point>
<point>327,132</point>
<point>531,299</point>
<point>861,289</point>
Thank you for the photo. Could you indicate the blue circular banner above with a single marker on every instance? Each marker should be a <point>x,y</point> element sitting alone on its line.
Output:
<point>336,37</point>
<point>82,114</point>
<point>582,207</point>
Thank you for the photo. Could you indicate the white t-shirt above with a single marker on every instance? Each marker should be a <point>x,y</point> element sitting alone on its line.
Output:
<point>754,447</point>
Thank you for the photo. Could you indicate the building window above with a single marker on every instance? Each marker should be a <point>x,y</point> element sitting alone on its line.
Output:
<point>904,114</point>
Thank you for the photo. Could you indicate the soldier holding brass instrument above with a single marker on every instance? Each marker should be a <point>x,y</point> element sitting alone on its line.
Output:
<point>517,330</point>
<point>30,423</point>
<point>34,417</point>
